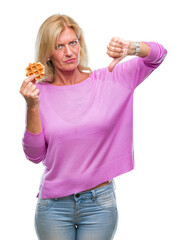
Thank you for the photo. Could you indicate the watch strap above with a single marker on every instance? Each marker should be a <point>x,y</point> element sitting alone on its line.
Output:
<point>137,48</point>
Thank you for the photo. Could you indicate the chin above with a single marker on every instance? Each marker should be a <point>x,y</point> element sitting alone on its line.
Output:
<point>70,68</point>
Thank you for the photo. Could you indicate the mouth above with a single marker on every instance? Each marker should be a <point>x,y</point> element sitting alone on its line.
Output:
<point>70,60</point>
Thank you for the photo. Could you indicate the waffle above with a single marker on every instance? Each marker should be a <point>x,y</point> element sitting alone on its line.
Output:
<point>35,68</point>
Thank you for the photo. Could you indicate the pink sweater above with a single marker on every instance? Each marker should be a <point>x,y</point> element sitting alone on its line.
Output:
<point>87,135</point>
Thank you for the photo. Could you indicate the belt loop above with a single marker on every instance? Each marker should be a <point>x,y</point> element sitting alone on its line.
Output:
<point>114,183</point>
<point>93,194</point>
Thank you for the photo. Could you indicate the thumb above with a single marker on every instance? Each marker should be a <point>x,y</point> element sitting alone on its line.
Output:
<point>31,78</point>
<point>113,64</point>
<point>116,61</point>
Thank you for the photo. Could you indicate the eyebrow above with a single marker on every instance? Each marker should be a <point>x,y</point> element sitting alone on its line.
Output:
<point>69,41</point>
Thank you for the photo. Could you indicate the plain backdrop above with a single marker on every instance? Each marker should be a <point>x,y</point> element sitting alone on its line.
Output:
<point>152,198</point>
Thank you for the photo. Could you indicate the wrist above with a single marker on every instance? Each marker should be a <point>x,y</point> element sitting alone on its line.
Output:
<point>132,48</point>
<point>32,107</point>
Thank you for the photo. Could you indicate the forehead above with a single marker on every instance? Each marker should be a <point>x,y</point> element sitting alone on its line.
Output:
<point>67,35</point>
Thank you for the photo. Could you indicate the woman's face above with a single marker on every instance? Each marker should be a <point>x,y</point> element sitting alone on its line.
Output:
<point>66,55</point>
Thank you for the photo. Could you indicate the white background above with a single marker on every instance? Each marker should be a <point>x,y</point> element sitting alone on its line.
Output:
<point>152,198</point>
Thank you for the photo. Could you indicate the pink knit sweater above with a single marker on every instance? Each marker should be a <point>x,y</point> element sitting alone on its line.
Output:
<point>87,135</point>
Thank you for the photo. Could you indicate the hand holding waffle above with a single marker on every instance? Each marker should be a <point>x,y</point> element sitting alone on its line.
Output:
<point>118,49</point>
<point>30,92</point>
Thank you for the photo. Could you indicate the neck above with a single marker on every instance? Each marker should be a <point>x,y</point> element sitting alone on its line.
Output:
<point>66,77</point>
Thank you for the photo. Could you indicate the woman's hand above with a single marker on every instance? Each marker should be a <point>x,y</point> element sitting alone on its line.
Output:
<point>30,92</point>
<point>119,49</point>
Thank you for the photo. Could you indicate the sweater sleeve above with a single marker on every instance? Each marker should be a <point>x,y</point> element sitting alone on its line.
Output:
<point>137,69</point>
<point>34,146</point>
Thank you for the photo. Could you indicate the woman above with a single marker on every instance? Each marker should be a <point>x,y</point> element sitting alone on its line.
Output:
<point>80,125</point>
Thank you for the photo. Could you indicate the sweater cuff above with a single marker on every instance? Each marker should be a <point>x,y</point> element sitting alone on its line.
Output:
<point>153,53</point>
<point>33,139</point>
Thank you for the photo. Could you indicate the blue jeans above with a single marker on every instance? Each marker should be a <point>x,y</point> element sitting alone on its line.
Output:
<point>88,215</point>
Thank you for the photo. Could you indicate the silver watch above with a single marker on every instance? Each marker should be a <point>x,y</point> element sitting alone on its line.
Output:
<point>137,48</point>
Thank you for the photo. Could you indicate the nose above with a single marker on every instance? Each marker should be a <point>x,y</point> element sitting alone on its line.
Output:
<point>68,50</point>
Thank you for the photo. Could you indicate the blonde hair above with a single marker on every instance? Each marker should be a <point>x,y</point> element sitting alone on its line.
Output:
<point>47,37</point>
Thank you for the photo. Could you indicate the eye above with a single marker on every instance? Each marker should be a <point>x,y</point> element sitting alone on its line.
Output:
<point>59,46</point>
<point>73,43</point>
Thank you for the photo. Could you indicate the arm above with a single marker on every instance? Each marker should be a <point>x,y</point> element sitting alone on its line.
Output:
<point>132,72</point>
<point>33,120</point>
<point>119,49</point>
<point>144,49</point>
<point>34,146</point>
<point>33,141</point>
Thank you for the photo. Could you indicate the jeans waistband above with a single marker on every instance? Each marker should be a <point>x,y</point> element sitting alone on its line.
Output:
<point>111,184</point>
<point>95,191</point>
